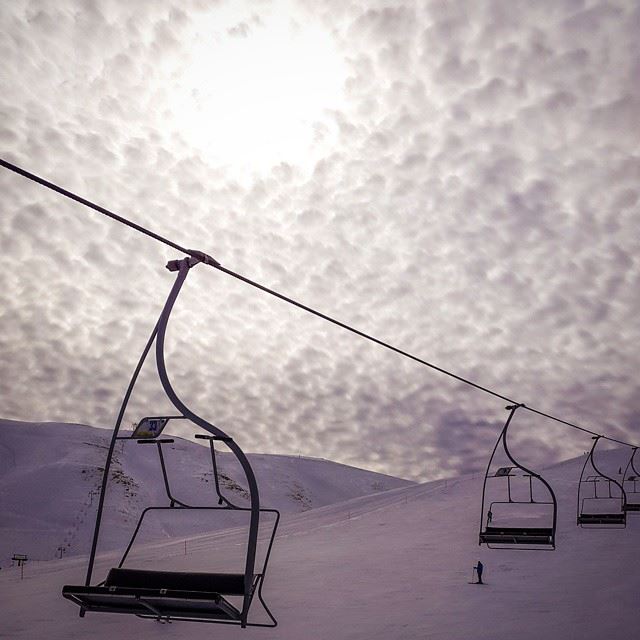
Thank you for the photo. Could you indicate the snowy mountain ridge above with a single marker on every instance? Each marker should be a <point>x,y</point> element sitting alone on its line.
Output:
<point>68,460</point>
<point>395,565</point>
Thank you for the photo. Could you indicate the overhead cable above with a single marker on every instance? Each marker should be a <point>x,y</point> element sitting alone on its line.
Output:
<point>216,265</point>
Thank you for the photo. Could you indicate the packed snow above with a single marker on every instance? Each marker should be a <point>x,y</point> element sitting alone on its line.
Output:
<point>392,565</point>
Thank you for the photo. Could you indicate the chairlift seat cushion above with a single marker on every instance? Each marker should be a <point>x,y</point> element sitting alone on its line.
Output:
<point>231,584</point>
<point>162,594</point>
<point>632,506</point>
<point>517,535</point>
<point>602,518</point>
<point>154,603</point>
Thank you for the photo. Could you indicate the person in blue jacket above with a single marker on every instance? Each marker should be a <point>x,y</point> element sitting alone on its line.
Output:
<point>479,569</point>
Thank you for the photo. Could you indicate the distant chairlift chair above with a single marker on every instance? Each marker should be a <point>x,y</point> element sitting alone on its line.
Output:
<point>168,595</point>
<point>601,499</point>
<point>497,535</point>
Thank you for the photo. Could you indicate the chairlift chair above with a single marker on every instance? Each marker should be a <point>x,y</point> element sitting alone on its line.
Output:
<point>512,536</point>
<point>595,510</point>
<point>168,595</point>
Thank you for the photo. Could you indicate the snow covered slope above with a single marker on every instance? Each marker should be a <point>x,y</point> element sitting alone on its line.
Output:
<point>50,474</point>
<point>391,566</point>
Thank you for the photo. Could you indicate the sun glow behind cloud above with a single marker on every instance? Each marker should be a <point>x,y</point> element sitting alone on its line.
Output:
<point>252,90</point>
<point>474,200</point>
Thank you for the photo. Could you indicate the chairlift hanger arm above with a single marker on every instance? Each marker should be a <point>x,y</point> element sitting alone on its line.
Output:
<point>635,450</point>
<point>631,465</point>
<point>591,457</point>
<point>513,409</point>
<point>157,336</point>
<point>527,472</point>
<point>184,266</point>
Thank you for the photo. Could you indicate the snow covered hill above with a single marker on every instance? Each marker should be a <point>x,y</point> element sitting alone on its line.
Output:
<point>50,474</point>
<point>391,566</point>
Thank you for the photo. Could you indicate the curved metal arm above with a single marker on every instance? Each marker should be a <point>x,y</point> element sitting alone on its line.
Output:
<point>533,474</point>
<point>591,458</point>
<point>635,449</point>
<point>631,465</point>
<point>183,267</point>
<point>580,481</point>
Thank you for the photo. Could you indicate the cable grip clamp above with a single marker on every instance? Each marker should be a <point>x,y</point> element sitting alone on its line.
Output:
<point>195,257</point>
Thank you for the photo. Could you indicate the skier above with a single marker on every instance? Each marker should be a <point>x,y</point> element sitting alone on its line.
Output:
<point>479,569</point>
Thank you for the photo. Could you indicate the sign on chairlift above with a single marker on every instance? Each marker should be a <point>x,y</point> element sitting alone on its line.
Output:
<point>149,428</point>
<point>503,471</point>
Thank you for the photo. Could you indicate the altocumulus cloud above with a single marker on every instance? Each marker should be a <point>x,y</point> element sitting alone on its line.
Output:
<point>471,196</point>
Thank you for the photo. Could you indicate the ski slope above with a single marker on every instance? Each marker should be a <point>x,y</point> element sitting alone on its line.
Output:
<point>389,566</point>
<point>70,458</point>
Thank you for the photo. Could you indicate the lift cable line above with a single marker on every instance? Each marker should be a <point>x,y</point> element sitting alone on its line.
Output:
<point>203,257</point>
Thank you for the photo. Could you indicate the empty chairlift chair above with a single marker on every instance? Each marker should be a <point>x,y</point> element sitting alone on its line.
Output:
<point>601,499</point>
<point>519,507</point>
<point>170,595</point>
<point>631,485</point>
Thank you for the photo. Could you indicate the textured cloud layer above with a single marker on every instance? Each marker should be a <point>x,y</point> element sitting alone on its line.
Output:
<point>469,192</point>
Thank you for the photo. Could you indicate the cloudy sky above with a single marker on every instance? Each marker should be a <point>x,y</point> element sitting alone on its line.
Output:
<point>460,179</point>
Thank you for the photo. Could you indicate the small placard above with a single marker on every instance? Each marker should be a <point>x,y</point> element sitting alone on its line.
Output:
<point>149,428</point>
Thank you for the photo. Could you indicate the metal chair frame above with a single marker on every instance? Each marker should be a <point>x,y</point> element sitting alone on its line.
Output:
<point>593,520</point>
<point>252,581</point>
<point>522,538</point>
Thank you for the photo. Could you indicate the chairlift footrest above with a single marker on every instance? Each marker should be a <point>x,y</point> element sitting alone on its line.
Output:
<point>163,604</point>
<point>602,518</point>
<point>517,536</point>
